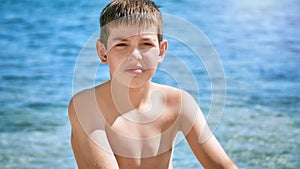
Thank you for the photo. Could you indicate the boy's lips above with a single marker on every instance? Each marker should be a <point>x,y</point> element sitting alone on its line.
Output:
<point>135,70</point>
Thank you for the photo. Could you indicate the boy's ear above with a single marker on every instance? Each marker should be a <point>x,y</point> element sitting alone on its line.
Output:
<point>163,46</point>
<point>101,51</point>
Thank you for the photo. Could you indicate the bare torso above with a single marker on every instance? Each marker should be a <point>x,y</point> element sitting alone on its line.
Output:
<point>105,138</point>
<point>142,140</point>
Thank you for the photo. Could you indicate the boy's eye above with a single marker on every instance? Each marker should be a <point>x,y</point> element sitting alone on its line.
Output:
<point>147,44</point>
<point>121,44</point>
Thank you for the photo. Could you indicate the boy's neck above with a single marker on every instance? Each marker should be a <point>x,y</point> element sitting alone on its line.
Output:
<point>126,98</point>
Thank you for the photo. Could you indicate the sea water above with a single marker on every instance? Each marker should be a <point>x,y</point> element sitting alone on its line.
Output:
<point>258,44</point>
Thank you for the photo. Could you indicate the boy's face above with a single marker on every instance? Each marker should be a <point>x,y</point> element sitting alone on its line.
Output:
<point>133,54</point>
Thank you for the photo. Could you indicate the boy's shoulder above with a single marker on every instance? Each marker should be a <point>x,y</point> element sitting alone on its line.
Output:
<point>84,101</point>
<point>170,90</point>
<point>84,96</point>
<point>90,93</point>
<point>84,108</point>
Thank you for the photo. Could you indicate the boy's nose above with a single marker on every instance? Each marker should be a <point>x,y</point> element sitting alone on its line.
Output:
<point>136,54</point>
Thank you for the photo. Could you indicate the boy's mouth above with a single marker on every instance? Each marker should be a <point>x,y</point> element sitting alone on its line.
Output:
<point>135,70</point>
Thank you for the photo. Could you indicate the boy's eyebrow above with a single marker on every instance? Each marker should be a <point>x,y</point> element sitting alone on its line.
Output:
<point>119,39</point>
<point>125,39</point>
<point>148,38</point>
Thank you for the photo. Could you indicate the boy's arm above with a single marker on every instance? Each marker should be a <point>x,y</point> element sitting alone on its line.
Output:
<point>201,140</point>
<point>88,153</point>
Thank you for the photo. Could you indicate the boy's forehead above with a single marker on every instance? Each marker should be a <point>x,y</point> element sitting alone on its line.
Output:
<point>123,31</point>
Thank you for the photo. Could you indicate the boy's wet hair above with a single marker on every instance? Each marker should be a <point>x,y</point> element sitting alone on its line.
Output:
<point>130,12</point>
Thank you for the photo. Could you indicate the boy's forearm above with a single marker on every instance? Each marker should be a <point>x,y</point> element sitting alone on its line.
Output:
<point>230,165</point>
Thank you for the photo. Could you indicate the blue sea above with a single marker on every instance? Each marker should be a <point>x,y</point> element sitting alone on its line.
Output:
<point>258,46</point>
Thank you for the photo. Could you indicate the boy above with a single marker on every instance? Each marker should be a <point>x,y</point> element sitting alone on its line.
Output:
<point>130,122</point>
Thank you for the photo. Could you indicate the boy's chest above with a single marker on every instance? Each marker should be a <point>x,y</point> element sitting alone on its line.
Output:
<point>140,136</point>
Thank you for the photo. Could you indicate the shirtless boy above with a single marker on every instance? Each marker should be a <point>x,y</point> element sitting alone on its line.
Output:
<point>130,122</point>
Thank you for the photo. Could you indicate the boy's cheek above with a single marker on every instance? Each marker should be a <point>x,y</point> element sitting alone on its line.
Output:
<point>151,62</point>
<point>120,55</point>
<point>152,56</point>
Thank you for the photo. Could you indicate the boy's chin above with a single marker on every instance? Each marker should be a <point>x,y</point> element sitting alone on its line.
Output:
<point>132,83</point>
